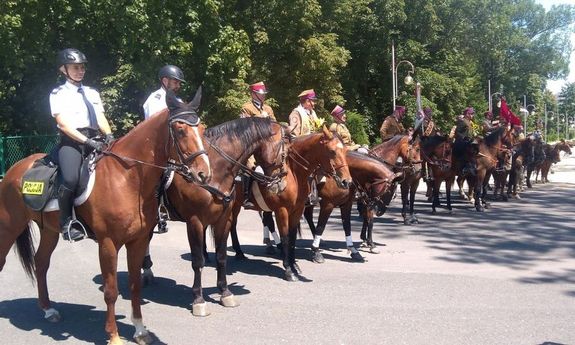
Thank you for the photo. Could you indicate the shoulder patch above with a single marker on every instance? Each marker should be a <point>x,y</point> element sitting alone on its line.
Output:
<point>56,90</point>
<point>158,96</point>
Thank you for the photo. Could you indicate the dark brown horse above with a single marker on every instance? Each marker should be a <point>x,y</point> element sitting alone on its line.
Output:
<point>437,152</point>
<point>552,156</point>
<point>319,153</point>
<point>371,178</point>
<point>409,150</point>
<point>229,146</point>
<point>121,209</point>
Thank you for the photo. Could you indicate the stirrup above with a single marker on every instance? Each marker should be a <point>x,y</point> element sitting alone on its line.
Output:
<point>163,217</point>
<point>68,235</point>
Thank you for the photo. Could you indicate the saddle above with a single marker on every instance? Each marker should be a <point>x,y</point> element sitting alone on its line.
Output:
<point>40,183</point>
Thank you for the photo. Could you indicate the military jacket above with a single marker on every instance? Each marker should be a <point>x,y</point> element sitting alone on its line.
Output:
<point>390,127</point>
<point>251,109</point>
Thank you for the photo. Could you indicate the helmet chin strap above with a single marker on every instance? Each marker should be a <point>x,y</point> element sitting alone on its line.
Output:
<point>69,77</point>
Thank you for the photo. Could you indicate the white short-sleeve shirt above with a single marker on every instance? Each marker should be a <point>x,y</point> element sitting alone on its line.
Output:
<point>66,101</point>
<point>155,103</point>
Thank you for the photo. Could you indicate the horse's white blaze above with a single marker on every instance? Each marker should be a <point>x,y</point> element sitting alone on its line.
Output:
<point>201,146</point>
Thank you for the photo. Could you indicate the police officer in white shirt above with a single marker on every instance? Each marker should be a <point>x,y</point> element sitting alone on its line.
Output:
<point>171,78</point>
<point>79,113</point>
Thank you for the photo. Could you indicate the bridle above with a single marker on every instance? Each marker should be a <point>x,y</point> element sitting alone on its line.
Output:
<point>306,165</point>
<point>444,163</point>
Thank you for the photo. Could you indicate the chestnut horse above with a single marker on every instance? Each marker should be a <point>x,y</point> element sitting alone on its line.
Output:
<point>409,151</point>
<point>552,156</point>
<point>121,209</point>
<point>319,153</point>
<point>229,146</point>
<point>371,178</point>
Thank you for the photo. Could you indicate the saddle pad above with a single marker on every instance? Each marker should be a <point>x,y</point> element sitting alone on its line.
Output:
<point>259,197</point>
<point>39,184</point>
<point>53,203</point>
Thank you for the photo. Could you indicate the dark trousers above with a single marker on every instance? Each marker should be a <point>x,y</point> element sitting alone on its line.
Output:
<point>69,161</point>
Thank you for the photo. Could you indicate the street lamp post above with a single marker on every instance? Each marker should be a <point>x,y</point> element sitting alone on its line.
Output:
<point>529,112</point>
<point>408,79</point>
<point>552,116</point>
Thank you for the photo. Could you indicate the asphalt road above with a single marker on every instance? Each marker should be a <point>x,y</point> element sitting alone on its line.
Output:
<point>506,276</point>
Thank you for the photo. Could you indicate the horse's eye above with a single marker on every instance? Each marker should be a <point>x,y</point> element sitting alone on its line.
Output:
<point>181,132</point>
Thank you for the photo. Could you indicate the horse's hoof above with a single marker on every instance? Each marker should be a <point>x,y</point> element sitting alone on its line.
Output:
<point>406,222</point>
<point>487,205</point>
<point>200,309</point>
<point>364,244</point>
<point>290,277</point>
<point>479,208</point>
<point>147,277</point>
<point>472,201</point>
<point>356,256</point>
<point>240,256</point>
<point>271,250</point>
<point>433,212</point>
<point>229,301</point>
<point>317,257</point>
<point>450,211</point>
<point>52,315</point>
<point>116,340</point>
<point>144,338</point>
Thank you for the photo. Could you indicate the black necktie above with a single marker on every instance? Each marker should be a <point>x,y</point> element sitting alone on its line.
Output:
<point>91,111</point>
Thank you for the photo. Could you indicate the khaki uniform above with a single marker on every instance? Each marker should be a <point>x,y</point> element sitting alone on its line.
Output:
<point>390,127</point>
<point>464,129</point>
<point>301,121</point>
<point>343,132</point>
<point>250,109</point>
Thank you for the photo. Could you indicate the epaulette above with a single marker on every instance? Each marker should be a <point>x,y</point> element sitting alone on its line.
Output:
<point>56,90</point>
<point>158,96</point>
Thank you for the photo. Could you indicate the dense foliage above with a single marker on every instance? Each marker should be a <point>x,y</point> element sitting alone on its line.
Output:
<point>341,48</point>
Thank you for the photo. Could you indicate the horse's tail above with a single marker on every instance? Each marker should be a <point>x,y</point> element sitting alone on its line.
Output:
<point>26,252</point>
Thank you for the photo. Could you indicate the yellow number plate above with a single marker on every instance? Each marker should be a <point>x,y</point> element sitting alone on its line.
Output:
<point>34,188</point>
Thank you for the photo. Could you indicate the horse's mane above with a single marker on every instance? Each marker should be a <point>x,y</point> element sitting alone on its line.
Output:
<point>432,141</point>
<point>394,140</point>
<point>492,138</point>
<point>247,130</point>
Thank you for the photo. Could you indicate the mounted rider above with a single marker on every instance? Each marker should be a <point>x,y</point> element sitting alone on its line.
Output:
<point>302,121</point>
<point>171,78</point>
<point>79,113</point>
<point>428,129</point>
<point>392,126</point>
<point>256,107</point>
<point>489,124</point>
<point>338,126</point>
<point>465,133</point>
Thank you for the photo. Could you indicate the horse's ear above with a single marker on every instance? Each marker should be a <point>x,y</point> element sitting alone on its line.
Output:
<point>326,133</point>
<point>195,103</point>
<point>172,101</point>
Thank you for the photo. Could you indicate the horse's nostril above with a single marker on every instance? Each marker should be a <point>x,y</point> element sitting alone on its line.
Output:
<point>202,176</point>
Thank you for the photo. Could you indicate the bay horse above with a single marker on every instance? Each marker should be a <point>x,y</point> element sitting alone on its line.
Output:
<point>121,209</point>
<point>552,156</point>
<point>437,151</point>
<point>409,150</point>
<point>229,145</point>
<point>319,153</point>
<point>491,148</point>
<point>371,178</point>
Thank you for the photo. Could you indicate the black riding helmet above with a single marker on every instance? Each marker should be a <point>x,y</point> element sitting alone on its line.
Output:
<point>172,72</point>
<point>71,55</point>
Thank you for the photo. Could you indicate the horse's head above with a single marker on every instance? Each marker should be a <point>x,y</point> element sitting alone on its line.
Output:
<point>272,157</point>
<point>332,158</point>
<point>563,146</point>
<point>410,151</point>
<point>442,153</point>
<point>186,133</point>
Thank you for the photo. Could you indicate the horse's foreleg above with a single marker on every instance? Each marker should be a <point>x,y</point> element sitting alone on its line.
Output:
<point>48,242</point>
<point>196,242</point>
<point>135,252</point>
<point>324,213</point>
<point>308,215</point>
<point>345,210</point>
<point>283,223</point>
<point>448,184</point>
<point>412,189</point>
<point>404,202</point>
<point>234,232</point>
<point>108,253</point>
<point>221,230</point>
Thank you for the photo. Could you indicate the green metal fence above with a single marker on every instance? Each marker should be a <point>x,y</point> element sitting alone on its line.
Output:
<point>13,149</point>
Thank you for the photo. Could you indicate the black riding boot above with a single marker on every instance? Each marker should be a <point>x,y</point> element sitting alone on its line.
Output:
<point>247,183</point>
<point>70,230</point>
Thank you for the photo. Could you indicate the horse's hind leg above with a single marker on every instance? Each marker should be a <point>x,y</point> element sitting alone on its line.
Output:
<point>135,252</point>
<point>48,242</point>
<point>345,210</point>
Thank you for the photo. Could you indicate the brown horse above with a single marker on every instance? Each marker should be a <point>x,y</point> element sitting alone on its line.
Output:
<point>229,147</point>
<point>552,156</point>
<point>409,151</point>
<point>437,151</point>
<point>319,153</point>
<point>371,178</point>
<point>121,209</point>
<point>492,149</point>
